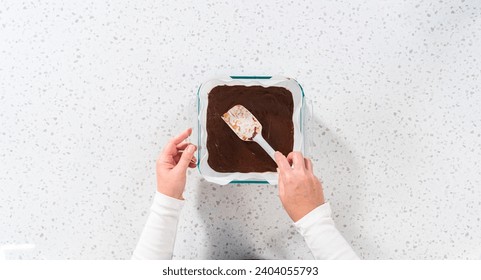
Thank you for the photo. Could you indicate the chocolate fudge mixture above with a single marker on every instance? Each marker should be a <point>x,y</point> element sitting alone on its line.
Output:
<point>272,106</point>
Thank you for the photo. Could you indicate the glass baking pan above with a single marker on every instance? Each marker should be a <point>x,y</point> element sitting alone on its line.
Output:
<point>202,102</point>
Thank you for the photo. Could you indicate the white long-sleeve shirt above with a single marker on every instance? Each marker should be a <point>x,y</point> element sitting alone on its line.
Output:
<point>158,237</point>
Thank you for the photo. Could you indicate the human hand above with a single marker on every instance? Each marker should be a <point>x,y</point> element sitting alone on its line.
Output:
<point>172,165</point>
<point>299,189</point>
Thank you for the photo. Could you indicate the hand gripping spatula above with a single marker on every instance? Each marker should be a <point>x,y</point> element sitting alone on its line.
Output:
<point>247,127</point>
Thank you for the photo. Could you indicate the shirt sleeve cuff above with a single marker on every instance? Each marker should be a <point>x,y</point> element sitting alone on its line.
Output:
<point>321,212</point>
<point>164,201</point>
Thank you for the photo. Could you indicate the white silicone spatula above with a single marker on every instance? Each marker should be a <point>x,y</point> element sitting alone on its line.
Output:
<point>247,127</point>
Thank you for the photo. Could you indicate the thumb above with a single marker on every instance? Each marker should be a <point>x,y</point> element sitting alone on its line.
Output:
<point>186,157</point>
<point>280,184</point>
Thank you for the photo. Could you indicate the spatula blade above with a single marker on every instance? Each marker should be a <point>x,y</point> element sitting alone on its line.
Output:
<point>242,122</point>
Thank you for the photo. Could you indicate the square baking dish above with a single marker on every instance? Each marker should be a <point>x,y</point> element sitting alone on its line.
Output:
<point>224,178</point>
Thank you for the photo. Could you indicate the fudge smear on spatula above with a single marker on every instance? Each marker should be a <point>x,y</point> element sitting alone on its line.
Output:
<point>246,127</point>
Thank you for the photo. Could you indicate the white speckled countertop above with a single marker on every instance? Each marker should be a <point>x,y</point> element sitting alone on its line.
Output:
<point>90,92</point>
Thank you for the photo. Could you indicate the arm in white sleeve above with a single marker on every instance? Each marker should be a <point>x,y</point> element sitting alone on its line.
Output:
<point>158,237</point>
<point>322,236</point>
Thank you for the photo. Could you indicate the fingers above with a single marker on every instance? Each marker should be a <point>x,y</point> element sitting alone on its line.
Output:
<point>182,146</point>
<point>282,162</point>
<point>180,149</point>
<point>193,161</point>
<point>280,184</point>
<point>170,150</point>
<point>297,160</point>
<point>181,137</point>
<point>308,164</point>
<point>186,158</point>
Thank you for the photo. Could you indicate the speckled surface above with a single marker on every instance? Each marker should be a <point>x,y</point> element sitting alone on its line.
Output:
<point>90,92</point>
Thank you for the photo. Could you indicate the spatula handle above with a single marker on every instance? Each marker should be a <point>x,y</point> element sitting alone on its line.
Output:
<point>263,143</point>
